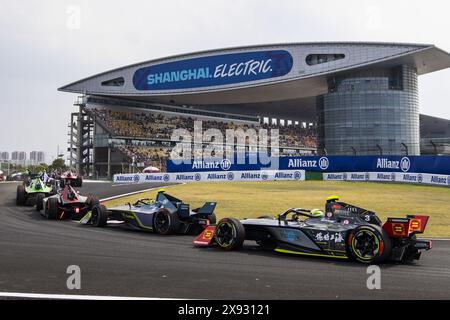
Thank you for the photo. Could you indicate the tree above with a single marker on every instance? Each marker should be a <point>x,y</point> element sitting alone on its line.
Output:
<point>58,164</point>
<point>38,168</point>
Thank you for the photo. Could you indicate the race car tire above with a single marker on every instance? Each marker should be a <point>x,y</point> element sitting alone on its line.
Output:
<point>369,244</point>
<point>51,209</point>
<point>79,182</point>
<point>230,234</point>
<point>92,202</point>
<point>21,198</point>
<point>166,222</point>
<point>40,201</point>
<point>99,215</point>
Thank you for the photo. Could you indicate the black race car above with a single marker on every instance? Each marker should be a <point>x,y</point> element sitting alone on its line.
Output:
<point>164,215</point>
<point>344,231</point>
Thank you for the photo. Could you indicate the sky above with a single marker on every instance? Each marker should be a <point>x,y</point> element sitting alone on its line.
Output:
<point>45,44</point>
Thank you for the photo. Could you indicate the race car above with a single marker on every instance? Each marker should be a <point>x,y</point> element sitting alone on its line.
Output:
<point>75,179</point>
<point>67,203</point>
<point>164,215</point>
<point>31,189</point>
<point>344,231</point>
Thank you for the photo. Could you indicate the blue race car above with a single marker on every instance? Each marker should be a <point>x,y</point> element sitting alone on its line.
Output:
<point>164,215</point>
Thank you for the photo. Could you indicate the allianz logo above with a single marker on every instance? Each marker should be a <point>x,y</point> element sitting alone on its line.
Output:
<point>282,175</point>
<point>410,177</point>
<point>300,163</point>
<point>225,164</point>
<point>384,176</point>
<point>184,177</point>
<point>357,176</point>
<point>153,177</point>
<point>335,176</point>
<point>384,163</point>
<point>248,175</point>
<point>440,180</point>
<point>245,68</point>
<point>124,178</point>
<point>217,176</point>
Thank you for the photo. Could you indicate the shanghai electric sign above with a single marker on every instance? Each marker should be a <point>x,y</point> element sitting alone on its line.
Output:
<point>214,70</point>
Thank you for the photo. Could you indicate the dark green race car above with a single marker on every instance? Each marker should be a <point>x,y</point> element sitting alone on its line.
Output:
<point>30,189</point>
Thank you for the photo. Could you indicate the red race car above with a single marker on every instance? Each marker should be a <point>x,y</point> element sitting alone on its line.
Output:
<point>75,179</point>
<point>67,203</point>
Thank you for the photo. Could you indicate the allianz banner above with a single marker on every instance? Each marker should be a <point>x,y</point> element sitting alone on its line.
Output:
<point>211,176</point>
<point>419,164</point>
<point>214,70</point>
<point>400,177</point>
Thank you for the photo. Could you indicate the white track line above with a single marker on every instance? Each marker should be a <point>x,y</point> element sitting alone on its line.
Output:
<point>96,181</point>
<point>131,193</point>
<point>73,297</point>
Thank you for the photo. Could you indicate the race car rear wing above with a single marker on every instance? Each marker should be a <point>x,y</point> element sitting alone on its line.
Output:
<point>405,227</point>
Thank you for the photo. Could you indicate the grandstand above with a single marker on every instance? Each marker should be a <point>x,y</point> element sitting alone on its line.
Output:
<point>120,138</point>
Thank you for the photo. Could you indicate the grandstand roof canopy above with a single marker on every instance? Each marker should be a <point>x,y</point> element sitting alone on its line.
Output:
<point>255,75</point>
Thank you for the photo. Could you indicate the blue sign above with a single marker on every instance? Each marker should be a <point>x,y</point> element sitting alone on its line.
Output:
<point>412,164</point>
<point>214,70</point>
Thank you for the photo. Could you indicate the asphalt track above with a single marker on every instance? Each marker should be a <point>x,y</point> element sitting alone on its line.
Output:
<point>35,253</point>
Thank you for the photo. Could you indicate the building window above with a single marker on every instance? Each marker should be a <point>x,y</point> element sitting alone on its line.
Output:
<point>313,59</point>
<point>116,82</point>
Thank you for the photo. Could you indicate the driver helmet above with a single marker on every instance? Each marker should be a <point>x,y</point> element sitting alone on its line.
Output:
<point>332,198</point>
<point>317,213</point>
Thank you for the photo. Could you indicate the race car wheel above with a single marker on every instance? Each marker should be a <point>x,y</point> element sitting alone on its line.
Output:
<point>369,244</point>
<point>230,234</point>
<point>79,182</point>
<point>92,202</point>
<point>166,222</point>
<point>99,215</point>
<point>51,209</point>
<point>21,195</point>
<point>40,201</point>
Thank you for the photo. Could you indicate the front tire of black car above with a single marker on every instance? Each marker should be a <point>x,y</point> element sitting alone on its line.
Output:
<point>230,234</point>
<point>369,244</point>
<point>21,195</point>
<point>166,222</point>
<point>40,201</point>
<point>99,215</point>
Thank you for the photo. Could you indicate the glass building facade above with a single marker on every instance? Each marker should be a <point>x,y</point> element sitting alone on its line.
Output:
<point>372,112</point>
